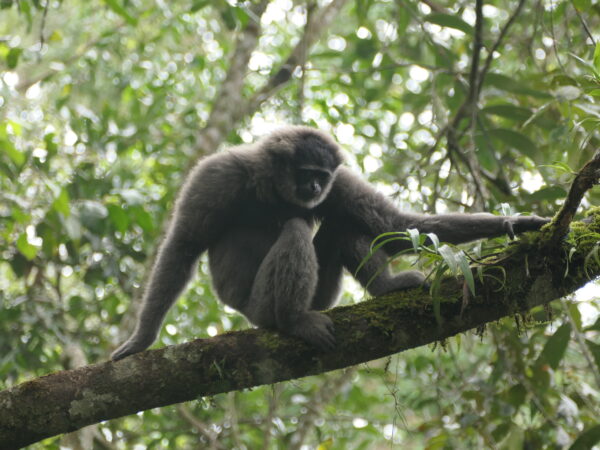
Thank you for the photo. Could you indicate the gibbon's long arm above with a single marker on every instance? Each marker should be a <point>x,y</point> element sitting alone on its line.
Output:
<point>202,209</point>
<point>354,199</point>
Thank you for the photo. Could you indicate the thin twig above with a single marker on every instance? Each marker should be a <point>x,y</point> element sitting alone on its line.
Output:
<point>503,32</point>
<point>329,389</point>
<point>582,345</point>
<point>200,427</point>
<point>42,28</point>
<point>585,27</point>
<point>477,46</point>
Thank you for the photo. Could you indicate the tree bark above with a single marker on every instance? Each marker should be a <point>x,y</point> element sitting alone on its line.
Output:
<point>533,272</point>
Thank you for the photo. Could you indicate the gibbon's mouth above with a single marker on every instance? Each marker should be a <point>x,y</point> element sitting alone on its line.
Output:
<point>309,202</point>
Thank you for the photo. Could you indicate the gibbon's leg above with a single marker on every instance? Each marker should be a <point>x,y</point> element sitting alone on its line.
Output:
<point>374,274</point>
<point>339,246</point>
<point>285,285</point>
<point>328,248</point>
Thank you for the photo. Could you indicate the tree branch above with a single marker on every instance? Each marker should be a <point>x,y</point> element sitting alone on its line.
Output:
<point>228,98</point>
<point>317,23</point>
<point>501,36</point>
<point>585,179</point>
<point>468,108</point>
<point>230,107</point>
<point>68,400</point>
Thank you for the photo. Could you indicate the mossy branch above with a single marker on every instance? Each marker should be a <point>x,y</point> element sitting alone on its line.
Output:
<point>585,179</point>
<point>68,400</point>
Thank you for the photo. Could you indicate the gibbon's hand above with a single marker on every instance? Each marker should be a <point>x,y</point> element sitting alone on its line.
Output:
<point>521,224</point>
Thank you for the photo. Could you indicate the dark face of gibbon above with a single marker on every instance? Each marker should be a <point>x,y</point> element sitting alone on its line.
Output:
<point>305,164</point>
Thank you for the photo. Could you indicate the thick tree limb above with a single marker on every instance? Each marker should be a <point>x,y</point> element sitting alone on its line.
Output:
<point>68,400</point>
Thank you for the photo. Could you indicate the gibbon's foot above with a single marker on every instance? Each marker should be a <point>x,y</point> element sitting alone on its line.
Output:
<point>408,279</point>
<point>315,328</point>
<point>131,346</point>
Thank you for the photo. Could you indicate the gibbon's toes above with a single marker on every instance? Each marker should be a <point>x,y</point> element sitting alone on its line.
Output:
<point>317,329</point>
<point>126,349</point>
<point>330,327</point>
<point>413,278</point>
<point>520,224</point>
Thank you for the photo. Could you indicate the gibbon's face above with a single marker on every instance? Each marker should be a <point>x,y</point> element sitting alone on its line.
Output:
<point>304,165</point>
<point>312,184</point>
<point>313,164</point>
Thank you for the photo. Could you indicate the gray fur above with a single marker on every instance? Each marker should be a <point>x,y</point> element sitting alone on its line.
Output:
<point>248,209</point>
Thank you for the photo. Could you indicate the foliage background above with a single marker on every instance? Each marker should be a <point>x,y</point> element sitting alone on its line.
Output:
<point>102,107</point>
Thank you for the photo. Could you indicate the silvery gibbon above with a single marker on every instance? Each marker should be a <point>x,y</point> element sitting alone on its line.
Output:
<point>255,208</point>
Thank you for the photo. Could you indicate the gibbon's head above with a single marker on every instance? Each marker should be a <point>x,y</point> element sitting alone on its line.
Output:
<point>304,161</point>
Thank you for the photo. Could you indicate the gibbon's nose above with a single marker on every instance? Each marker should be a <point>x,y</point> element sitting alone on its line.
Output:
<point>315,188</point>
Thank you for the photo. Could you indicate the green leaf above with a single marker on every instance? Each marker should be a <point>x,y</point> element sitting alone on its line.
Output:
<point>516,395</point>
<point>197,5</point>
<point>118,217</point>
<point>49,241</point>
<point>505,209</point>
<point>414,238</point>
<point>49,140</point>
<point>582,5</point>
<point>118,8</point>
<point>550,194</point>
<point>12,59</point>
<point>560,167</point>
<point>61,203</point>
<point>511,85</point>
<point>450,257</point>
<point>27,250</point>
<point>229,17</point>
<point>587,439</point>
<point>596,59</point>
<point>485,151</point>
<point>73,227</point>
<point>142,218</point>
<point>508,111</point>
<point>366,49</point>
<point>594,350</point>
<point>463,265</point>
<point>516,140</point>
<point>434,240</point>
<point>567,93</point>
<point>133,197</point>
<point>450,21</point>
<point>555,347</point>
<point>15,155</point>
<point>92,211</point>
<point>575,315</point>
